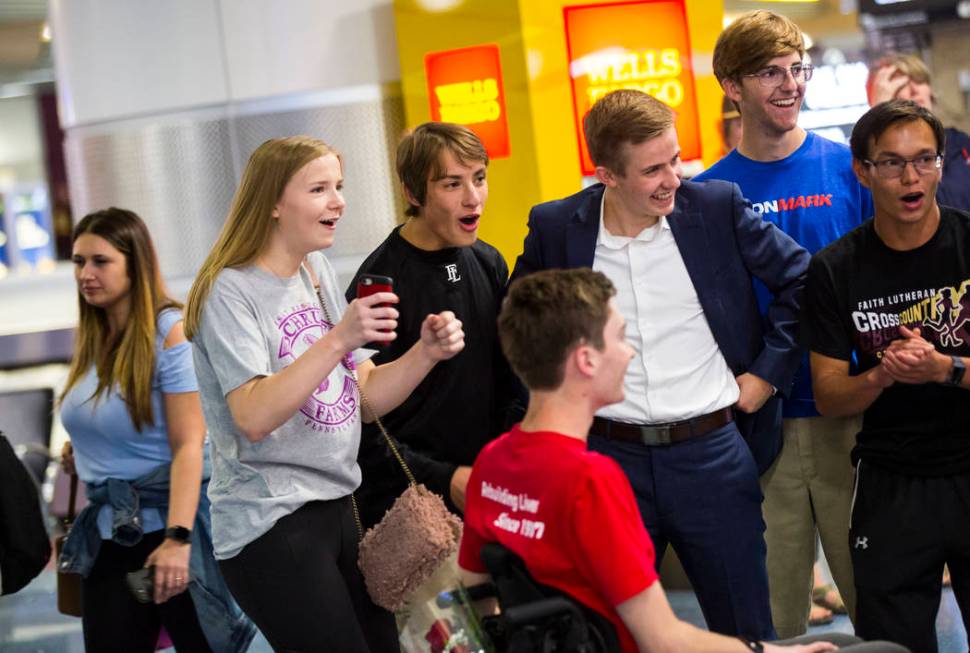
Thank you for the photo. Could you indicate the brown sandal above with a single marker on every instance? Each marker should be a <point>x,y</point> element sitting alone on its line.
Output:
<point>827,596</point>
<point>820,616</point>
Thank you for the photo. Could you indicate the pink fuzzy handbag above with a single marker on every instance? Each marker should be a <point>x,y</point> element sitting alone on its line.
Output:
<point>415,537</point>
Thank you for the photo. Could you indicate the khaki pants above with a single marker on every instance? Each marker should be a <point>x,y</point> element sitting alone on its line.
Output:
<point>808,491</point>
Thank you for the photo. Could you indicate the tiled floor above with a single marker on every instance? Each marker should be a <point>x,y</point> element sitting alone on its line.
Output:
<point>949,626</point>
<point>30,623</point>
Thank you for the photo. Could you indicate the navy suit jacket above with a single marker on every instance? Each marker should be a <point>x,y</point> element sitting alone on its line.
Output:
<point>723,244</point>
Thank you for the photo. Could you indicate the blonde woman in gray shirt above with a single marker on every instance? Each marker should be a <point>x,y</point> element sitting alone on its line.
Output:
<point>276,351</point>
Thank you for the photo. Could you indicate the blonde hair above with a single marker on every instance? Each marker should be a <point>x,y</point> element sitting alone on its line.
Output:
<point>126,358</point>
<point>752,40</point>
<point>909,65</point>
<point>247,229</point>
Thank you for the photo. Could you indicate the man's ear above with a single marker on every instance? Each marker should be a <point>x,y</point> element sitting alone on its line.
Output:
<point>732,89</point>
<point>605,176</point>
<point>861,171</point>
<point>586,359</point>
<point>410,197</point>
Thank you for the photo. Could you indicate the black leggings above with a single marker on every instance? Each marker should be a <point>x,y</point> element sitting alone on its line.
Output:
<point>300,584</point>
<point>114,621</point>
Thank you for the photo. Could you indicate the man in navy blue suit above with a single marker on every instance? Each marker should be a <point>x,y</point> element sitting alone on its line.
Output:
<point>700,419</point>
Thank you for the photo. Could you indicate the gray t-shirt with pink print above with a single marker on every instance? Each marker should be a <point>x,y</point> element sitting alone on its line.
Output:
<point>255,324</point>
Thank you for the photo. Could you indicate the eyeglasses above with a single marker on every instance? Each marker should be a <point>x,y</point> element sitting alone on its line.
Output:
<point>893,167</point>
<point>775,75</point>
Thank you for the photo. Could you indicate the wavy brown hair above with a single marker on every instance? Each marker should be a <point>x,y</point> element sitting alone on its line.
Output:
<point>752,40</point>
<point>419,157</point>
<point>125,358</point>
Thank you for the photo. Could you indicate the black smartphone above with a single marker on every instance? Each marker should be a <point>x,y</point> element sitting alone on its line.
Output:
<point>142,584</point>
<point>368,284</point>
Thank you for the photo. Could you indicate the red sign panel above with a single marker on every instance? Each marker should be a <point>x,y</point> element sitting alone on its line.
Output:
<point>465,87</point>
<point>642,45</point>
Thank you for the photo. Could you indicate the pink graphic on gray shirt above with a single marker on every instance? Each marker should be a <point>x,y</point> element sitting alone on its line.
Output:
<point>334,402</point>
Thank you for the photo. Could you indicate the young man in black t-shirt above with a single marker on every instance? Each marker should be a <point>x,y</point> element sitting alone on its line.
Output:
<point>438,264</point>
<point>895,294</point>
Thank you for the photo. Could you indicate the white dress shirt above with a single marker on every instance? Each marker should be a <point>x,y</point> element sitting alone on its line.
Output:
<point>679,371</point>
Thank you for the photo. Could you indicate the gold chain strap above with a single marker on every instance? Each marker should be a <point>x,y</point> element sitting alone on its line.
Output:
<point>387,436</point>
<point>360,525</point>
<point>380,424</point>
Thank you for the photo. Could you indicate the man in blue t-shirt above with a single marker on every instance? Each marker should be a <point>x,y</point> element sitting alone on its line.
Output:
<point>804,184</point>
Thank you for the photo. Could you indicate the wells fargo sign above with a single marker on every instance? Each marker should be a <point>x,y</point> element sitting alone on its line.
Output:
<point>642,45</point>
<point>465,86</point>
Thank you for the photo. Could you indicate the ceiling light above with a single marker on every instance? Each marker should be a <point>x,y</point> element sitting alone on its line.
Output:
<point>439,6</point>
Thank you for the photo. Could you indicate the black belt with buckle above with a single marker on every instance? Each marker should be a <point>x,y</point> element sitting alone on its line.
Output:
<point>669,433</point>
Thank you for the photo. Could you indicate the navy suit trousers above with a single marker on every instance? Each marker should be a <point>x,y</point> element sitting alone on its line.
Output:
<point>702,497</point>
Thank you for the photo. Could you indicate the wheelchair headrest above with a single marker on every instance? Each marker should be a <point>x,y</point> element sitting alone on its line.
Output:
<point>512,580</point>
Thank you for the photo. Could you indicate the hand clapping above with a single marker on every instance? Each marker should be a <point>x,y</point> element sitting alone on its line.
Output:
<point>912,359</point>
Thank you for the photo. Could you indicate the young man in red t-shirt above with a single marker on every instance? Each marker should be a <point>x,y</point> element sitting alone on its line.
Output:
<point>569,513</point>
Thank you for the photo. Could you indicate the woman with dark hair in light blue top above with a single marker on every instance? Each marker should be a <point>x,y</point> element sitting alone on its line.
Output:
<point>131,406</point>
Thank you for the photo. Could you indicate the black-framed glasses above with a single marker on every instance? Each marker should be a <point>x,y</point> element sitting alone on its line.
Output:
<point>775,75</point>
<point>894,166</point>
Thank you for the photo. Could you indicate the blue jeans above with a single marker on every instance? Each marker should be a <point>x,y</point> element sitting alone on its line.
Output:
<point>702,497</point>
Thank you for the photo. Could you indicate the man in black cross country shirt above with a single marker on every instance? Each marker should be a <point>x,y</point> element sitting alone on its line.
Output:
<point>895,294</point>
<point>438,264</point>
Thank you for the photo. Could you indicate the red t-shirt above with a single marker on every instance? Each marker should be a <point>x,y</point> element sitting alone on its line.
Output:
<point>569,513</point>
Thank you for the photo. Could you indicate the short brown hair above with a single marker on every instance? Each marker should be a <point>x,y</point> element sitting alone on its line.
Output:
<point>881,117</point>
<point>419,156</point>
<point>752,40</point>
<point>546,315</point>
<point>623,116</point>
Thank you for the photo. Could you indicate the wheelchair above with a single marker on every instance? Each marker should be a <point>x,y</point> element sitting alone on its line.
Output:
<point>535,618</point>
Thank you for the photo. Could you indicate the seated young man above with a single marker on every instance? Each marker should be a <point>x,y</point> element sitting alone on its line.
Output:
<point>569,513</point>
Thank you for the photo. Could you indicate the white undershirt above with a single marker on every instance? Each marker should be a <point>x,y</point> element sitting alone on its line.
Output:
<point>679,371</point>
